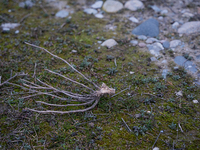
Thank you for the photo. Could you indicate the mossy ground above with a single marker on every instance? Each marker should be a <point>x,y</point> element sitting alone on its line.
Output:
<point>149,95</point>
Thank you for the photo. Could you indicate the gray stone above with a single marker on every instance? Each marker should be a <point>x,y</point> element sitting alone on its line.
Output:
<point>109,43</point>
<point>99,15</point>
<point>153,59</point>
<point>133,19</point>
<point>134,5</point>
<point>17,31</point>
<point>134,42</point>
<point>5,30</point>
<point>26,4</point>
<point>195,101</point>
<point>138,115</point>
<point>90,11</point>
<point>164,73</point>
<point>62,13</point>
<point>160,18</point>
<point>155,148</point>
<point>10,25</point>
<point>190,27</point>
<point>156,8</point>
<point>166,44</point>
<point>155,48</point>
<point>97,4</point>
<point>74,51</point>
<point>142,37</point>
<point>188,65</point>
<point>141,44</point>
<point>187,15</point>
<point>175,25</point>
<point>111,6</point>
<point>164,12</point>
<point>175,43</point>
<point>198,57</point>
<point>148,28</point>
<point>151,40</point>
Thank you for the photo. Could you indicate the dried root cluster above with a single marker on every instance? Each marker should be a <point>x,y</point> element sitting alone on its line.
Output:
<point>41,88</point>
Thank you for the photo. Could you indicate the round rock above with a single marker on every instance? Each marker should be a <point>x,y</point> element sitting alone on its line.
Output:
<point>62,14</point>
<point>190,27</point>
<point>134,5</point>
<point>134,42</point>
<point>111,6</point>
<point>97,4</point>
<point>148,28</point>
<point>109,43</point>
<point>166,44</point>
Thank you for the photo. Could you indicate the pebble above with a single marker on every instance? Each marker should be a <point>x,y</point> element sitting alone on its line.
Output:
<point>153,59</point>
<point>155,48</point>
<point>156,8</point>
<point>97,4</point>
<point>134,5</point>
<point>109,43</point>
<point>166,44</point>
<point>62,13</point>
<point>155,148</point>
<point>188,65</point>
<point>131,72</point>
<point>160,18</point>
<point>5,30</point>
<point>164,62</point>
<point>111,6</point>
<point>134,42</point>
<point>189,27</point>
<point>26,4</point>
<point>141,44</point>
<point>90,11</point>
<point>164,12</point>
<point>175,25</point>
<point>148,28</point>
<point>99,15</point>
<point>138,115</point>
<point>164,73</point>
<point>10,25</point>
<point>195,101</point>
<point>74,51</point>
<point>175,43</point>
<point>179,93</point>
<point>151,40</point>
<point>142,37</point>
<point>133,19</point>
<point>17,31</point>
<point>187,15</point>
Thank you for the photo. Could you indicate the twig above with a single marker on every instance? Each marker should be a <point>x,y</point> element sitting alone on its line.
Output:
<point>180,127</point>
<point>34,70</point>
<point>24,18</point>
<point>129,130</point>
<point>115,62</point>
<point>44,9</point>
<point>121,91</point>
<point>157,138</point>
<point>65,62</point>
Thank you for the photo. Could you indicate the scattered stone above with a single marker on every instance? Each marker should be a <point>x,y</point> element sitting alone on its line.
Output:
<point>90,11</point>
<point>142,37</point>
<point>164,12</point>
<point>175,25</point>
<point>155,48</point>
<point>175,43</point>
<point>74,51</point>
<point>131,72</point>
<point>109,43</point>
<point>151,40</point>
<point>111,6</point>
<point>141,44</point>
<point>190,27</point>
<point>164,62</point>
<point>148,28</point>
<point>138,115</point>
<point>195,101</point>
<point>188,65</point>
<point>153,59</point>
<point>166,44</point>
<point>187,15</point>
<point>160,18</point>
<point>134,5</point>
<point>17,31</point>
<point>26,4</point>
<point>179,93</point>
<point>133,19</point>
<point>198,57</point>
<point>134,42</point>
<point>62,13</point>
<point>164,73</point>
<point>97,4</point>
<point>5,30</point>
<point>99,15</point>
<point>91,124</point>
<point>155,148</point>
<point>9,25</point>
<point>156,8</point>
<point>176,68</point>
<point>99,42</point>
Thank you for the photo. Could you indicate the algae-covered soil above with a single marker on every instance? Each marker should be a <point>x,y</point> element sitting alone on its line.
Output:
<point>147,113</point>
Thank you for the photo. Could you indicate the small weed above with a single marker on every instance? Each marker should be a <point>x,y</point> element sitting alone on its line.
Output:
<point>176,77</point>
<point>112,71</point>
<point>172,126</point>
